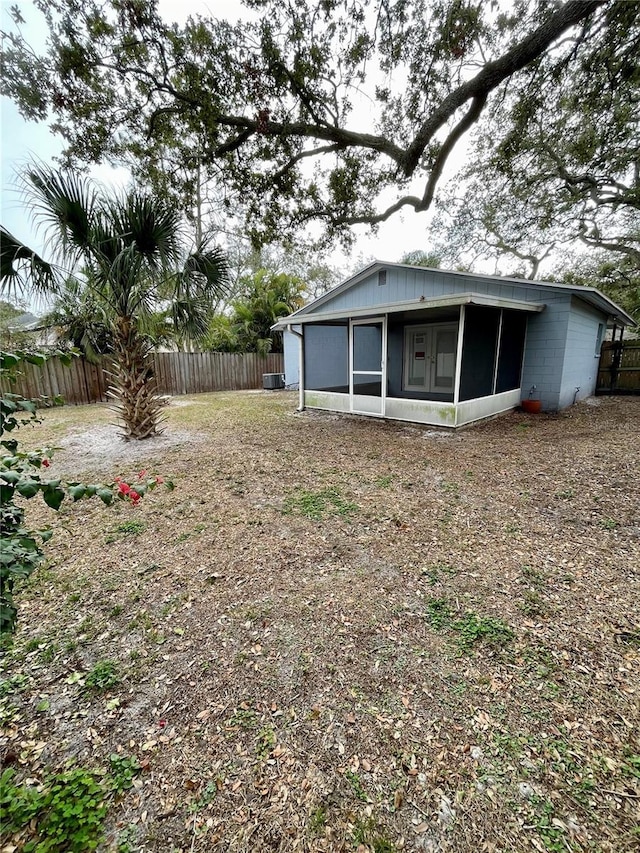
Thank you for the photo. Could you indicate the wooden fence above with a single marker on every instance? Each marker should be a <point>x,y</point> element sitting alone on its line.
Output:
<point>175,373</point>
<point>619,368</point>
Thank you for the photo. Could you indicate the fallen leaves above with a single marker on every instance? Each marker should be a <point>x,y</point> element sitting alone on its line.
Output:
<point>314,633</point>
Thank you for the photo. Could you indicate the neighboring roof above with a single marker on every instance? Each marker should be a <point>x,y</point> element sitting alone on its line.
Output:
<point>23,321</point>
<point>589,294</point>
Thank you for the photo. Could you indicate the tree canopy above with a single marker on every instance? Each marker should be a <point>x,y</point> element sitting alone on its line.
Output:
<point>263,297</point>
<point>553,165</point>
<point>343,111</point>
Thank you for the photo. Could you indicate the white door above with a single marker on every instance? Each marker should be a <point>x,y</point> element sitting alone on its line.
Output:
<point>368,369</point>
<point>430,358</point>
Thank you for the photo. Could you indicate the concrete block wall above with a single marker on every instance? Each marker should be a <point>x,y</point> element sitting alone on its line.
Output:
<point>545,350</point>
<point>581,360</point>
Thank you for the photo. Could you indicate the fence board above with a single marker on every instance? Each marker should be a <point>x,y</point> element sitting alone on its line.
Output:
<point>619,369</point>
<point>175,372</point>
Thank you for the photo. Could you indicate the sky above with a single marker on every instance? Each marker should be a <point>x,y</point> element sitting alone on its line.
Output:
<point>21,140</point>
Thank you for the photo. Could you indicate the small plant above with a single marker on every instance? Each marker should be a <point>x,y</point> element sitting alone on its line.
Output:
<point>243,718</point>
<point>318,820</point>
<point>565,494</point>
<point>531,603</point>
<point>315,505</point>
<point>206,797</point>
<point>473,629</point>
<point>131,527</point>
<point>368,833</point>
<point>608,523</point>
<point>437,572</point>
<point>13,684</point>
<point>438,613</point>
<point>64,814</point>
<point>123,771</point>
<point>356,785</point>
<point>384,482</point>
<point>103,676</point>
<point>265,742</point>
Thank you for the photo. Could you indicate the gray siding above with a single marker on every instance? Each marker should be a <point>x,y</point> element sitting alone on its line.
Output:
<point>580,362</point>
<point>544,352</point>
<point>404,285</point>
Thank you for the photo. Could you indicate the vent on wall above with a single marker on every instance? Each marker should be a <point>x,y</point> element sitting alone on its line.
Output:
<point>382,277</point>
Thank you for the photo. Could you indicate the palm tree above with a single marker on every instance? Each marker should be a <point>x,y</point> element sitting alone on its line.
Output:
<point>130,247</point>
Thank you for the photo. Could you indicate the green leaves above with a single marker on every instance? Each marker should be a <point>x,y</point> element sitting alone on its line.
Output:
<point>53,495</point>
<point>20,477</point>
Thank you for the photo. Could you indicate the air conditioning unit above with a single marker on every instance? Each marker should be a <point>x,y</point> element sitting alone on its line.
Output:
<point>272,381</point>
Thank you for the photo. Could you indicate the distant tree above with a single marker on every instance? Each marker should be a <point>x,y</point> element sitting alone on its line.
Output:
<point>420,258</point>
<point>553,165</point>
<point>11,333</point>
<point>78,320</point>
<point>263,298</point>
<point>131,247</point>
<point>617,277</point>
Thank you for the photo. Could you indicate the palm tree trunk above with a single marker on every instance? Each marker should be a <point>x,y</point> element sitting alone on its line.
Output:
<point>133,388</point>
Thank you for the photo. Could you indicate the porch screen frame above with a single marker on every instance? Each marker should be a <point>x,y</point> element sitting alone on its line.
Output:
<point>382,373</point>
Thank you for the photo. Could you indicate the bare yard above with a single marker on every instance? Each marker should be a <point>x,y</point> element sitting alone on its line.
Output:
<point>341,634</point>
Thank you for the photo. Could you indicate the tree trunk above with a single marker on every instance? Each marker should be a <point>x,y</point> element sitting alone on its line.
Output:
<point>133,388</point>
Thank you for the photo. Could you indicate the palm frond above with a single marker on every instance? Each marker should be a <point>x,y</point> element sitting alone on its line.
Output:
<point>21,268</point>
<point>209,270</point>
<point>65,203</point>
<point>150,225</point>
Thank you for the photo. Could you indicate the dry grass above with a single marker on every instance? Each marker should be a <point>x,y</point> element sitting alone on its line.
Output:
<point>342,634</point>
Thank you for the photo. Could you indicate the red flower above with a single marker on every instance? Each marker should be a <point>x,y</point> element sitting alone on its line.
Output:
<point>142,474</point>
<point>162,723</point>
<point>45,463</point>
<point>159,480</point>
<point>124,488</point>
<point>135,497</point>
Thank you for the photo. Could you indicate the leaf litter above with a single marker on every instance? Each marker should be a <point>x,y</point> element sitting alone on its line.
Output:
<point>282,681</point>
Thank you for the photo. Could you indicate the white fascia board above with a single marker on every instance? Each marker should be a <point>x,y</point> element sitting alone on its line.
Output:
<point>412,305</point>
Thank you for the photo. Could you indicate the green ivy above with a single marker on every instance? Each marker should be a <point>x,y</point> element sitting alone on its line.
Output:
<point>65,812</point>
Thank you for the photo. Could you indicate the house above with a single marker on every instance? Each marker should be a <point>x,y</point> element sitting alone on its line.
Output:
<point>445,348</point>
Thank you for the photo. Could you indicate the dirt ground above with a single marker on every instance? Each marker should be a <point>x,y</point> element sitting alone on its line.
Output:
<point>342,634</point>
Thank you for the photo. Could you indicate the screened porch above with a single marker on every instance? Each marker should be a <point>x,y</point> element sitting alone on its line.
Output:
<point>446,366</point>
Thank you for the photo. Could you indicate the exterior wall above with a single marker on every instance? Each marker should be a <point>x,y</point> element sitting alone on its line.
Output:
<point>581,359</point>
<point>291,346</point>
<point>544,352</point>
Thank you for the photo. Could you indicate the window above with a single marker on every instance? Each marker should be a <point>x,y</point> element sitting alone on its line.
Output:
<point>599,338</point>
<point>382,277</point>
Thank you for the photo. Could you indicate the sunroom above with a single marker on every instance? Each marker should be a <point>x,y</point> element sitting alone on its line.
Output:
<point>444,348</point>
<point>441,364</point>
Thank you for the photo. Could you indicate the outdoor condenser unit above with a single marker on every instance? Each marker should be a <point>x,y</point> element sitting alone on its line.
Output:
<point>272,381</point>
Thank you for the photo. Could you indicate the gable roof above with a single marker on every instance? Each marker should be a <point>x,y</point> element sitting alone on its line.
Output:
<point>588,294</point>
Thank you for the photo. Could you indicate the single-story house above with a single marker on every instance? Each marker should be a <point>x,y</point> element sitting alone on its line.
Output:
<point>445,348</point>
